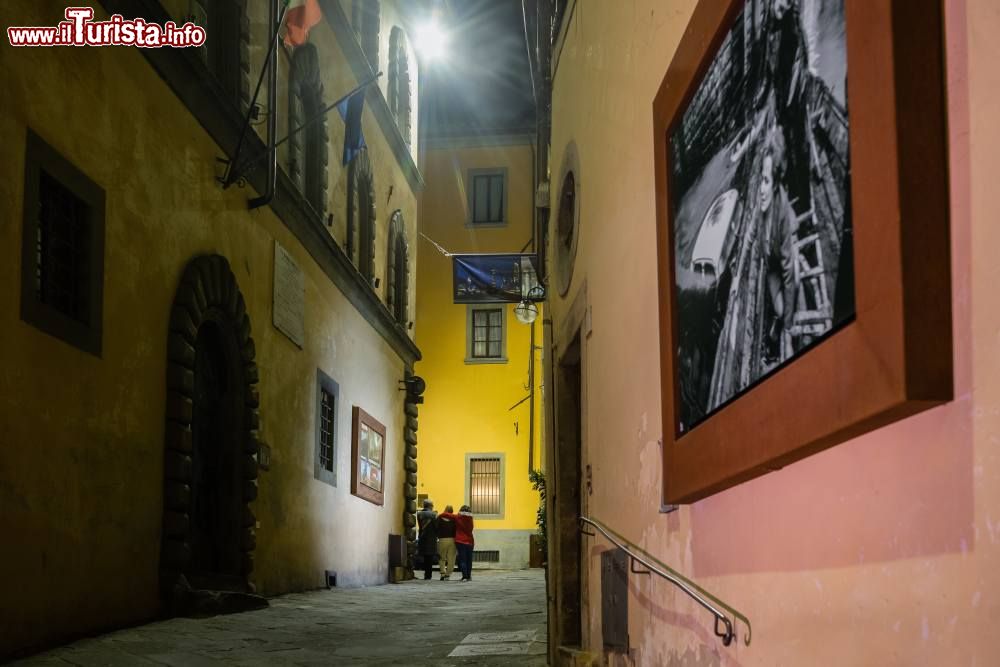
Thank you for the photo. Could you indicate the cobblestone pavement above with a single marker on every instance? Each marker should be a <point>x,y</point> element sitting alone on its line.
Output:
<point>498,618</point>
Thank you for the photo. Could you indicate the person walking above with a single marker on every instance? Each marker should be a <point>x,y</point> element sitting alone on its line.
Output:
<point>446,542</point>
<point>427,538</point>
<point>464,541</point>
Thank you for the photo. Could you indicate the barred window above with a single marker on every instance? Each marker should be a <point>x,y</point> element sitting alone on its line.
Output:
<point>486,334</point>
<point>485,485</point>
<point>489,197</point>
<point>325,461</point>
<point>62,253</point>
<point>61,267</point>
<point>326,430</point>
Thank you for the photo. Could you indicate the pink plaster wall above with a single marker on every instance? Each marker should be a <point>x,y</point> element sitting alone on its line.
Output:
<point>884,550</point>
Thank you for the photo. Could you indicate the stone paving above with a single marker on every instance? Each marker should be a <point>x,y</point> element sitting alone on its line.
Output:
<point>498,618</point>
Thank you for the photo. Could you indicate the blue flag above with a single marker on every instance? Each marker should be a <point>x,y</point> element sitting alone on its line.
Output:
<point>350,110</point>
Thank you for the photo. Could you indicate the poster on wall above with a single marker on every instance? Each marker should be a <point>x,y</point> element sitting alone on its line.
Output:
<point>495,278</point>
<point>761,202</point>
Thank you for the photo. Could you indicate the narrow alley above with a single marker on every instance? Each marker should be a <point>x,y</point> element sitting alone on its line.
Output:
<point>582,333</point>
<point>496,619</point>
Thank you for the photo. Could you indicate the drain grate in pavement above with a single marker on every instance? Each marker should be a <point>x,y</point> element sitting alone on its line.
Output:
<point>495,643</point>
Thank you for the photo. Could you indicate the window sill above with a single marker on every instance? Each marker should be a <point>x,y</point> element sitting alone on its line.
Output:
<point>471,361</point>
<point>485,225</point>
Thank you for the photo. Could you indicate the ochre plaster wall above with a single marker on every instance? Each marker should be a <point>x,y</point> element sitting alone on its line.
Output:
<point>467,408</point>
<point>880,551</point>
<point>81,455</point>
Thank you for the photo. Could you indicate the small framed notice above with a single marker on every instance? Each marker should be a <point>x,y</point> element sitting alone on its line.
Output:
<point>288,309</point>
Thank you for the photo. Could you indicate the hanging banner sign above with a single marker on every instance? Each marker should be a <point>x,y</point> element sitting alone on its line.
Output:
<point>496,278</point>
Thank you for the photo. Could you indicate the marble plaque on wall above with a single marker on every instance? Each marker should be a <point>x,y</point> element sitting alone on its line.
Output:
<point>288,308</point>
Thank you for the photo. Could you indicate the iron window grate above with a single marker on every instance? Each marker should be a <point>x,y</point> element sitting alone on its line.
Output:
<point>484,485</point>
<point>487,333</point>
<point>486,556</point>
<point>62,250</point>
<point>326,430</point>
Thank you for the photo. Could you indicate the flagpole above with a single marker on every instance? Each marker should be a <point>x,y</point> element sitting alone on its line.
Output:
<point>229,179</point>
<point>243,167</point>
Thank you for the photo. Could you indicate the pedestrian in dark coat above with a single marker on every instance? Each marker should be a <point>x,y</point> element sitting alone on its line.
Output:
<point>427,540</point>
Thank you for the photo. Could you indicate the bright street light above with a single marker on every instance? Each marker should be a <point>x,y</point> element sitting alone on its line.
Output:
<point>431,41</point>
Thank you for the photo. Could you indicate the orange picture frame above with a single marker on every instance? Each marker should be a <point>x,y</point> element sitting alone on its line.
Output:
<point>367,457</point>
<point>895,358</point>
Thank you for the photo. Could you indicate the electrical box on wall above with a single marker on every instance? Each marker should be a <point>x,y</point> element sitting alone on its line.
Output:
<point>614,599</point>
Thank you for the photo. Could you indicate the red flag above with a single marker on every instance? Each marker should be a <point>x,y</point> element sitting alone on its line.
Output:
<point>300,16</point>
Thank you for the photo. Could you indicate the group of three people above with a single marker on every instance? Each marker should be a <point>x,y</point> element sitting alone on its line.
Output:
<point>446,535</point>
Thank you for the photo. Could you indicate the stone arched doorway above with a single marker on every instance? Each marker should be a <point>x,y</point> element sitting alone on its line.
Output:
<point>210,464</point>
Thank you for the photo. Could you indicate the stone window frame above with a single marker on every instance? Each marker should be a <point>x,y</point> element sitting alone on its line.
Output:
<point>309,150</point>
<point>503,482</point>
<point>361,418</point>
<point>472,174</point>
<point>324,383</point>
<point>470,309</point>
<point>86,336</point>
<point>236,45</point>
<point>366,19</point>
<point>400,85</point>
<point>398,270</point>
<point>361,215</point>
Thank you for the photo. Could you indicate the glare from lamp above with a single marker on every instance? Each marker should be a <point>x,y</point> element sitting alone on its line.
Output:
<point>431,40</point>
<point>526,312</point>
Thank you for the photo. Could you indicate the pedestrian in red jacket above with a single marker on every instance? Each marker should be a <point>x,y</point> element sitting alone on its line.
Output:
<point>464,541</point>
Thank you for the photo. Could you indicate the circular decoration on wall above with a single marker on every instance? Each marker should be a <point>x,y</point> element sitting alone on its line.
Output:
<point>567,227</point>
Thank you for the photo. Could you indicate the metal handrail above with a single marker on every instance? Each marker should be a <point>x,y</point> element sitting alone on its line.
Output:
<point>693,590</point>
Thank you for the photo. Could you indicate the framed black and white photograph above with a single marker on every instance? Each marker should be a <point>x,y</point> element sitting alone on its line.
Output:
<point>802,232</point>
<point>761,201</point>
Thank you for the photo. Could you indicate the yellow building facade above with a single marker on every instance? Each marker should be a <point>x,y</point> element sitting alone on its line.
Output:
<point>480,427</point>
<point>279,324</point>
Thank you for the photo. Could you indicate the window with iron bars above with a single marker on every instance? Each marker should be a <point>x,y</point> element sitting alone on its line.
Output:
<point>62,251</point>
<point>325,457</point>
<point>485,486</point>
<point>326,430</point>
